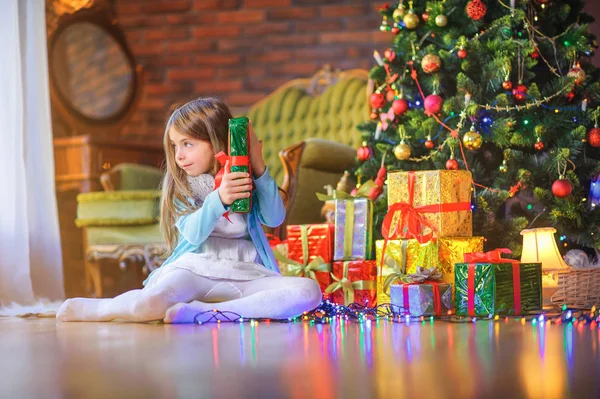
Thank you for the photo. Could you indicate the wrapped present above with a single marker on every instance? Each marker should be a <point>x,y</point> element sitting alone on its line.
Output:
<point>354,281</point>
<point>429,298</point>
<point>427,204</point>
<point>280,249</point>
<point>309,252</point>
<point>239,157</point>
<point>402,257</point>
<point>488,284</point>
<point>353,229</point>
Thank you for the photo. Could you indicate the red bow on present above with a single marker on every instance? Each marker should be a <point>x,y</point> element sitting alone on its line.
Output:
<point>233,161</point>
<point>494,256</point>
<point>412,222</point>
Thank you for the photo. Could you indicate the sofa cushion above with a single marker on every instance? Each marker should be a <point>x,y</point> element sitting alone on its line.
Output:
<point>112,208</point>
<point>124,235</point>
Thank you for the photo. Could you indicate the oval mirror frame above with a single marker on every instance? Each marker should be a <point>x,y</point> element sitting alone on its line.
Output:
<point>78,121</point>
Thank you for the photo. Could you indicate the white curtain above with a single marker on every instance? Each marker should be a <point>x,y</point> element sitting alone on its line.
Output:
<point>30,254</point>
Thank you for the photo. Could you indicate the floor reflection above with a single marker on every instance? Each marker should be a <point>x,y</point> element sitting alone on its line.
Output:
<point>496,359</point>
<point>428,359</point>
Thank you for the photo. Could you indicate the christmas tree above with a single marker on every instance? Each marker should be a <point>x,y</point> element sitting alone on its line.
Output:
<point>503,88</point>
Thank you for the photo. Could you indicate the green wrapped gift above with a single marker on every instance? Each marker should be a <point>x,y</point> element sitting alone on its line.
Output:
<point>488,284</point>
<point>239,152</point>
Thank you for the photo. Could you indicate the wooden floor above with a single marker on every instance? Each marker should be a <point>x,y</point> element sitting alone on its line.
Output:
<point>43,358</point>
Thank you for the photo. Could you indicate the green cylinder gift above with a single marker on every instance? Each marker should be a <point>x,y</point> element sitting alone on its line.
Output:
<point>239,153</point>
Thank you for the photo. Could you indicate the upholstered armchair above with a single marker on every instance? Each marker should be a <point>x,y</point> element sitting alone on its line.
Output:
<point>121,223</point>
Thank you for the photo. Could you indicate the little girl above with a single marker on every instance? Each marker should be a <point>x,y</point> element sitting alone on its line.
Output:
<point>214,263</point>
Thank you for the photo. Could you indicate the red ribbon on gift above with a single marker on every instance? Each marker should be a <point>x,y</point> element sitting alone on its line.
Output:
<point>493,256</point>
<point>242,160</point>
<point>437,298</point>
<point>412,222</point>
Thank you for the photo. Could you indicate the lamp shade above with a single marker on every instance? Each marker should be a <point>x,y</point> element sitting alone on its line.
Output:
<point>539,245</point>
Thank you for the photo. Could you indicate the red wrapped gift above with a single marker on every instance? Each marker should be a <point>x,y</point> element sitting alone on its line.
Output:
<point>354,281</point>
<point>310,252</point>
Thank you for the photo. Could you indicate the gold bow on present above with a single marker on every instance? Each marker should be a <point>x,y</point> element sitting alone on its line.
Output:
<point>425,273</point>
<point>362,192</point>
<point>349,286</point>
<point>398,271</point>
<point>427,253</point>
<point>298,269</point>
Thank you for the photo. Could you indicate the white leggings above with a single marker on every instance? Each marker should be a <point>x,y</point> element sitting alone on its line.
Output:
<point>267,297</point>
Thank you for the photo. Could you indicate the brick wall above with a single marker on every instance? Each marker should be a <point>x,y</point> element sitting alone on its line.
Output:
<point>240,50</point>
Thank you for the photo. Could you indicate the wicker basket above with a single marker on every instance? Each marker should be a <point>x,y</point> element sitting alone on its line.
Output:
<point>578,288</point>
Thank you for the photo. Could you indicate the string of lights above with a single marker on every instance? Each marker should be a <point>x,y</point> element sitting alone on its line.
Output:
<point>328,312</point>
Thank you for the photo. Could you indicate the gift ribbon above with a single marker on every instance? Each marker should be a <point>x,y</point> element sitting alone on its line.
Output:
<point>234,160</point>
<point>437,298</point>
<point>349,229</point>
<point>305,268</point>
<point>362,192</point>
<point>411,218</point>
<point>493,256</point>
<point>301,270</point>
<point>398,272</point>
<point>348,286</point>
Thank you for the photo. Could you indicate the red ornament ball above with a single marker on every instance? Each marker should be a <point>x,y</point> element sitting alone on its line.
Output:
<point>390,95</point>
<point>594,137</point>
<point>507,85</point>
<point>462,53</point>
<point>452,164</point>
<point>535,55</point>
<point>364,153</point>
<point>377,100</point>
<point>562,188</point>
<point>399,106</point>
<point>519,92</point>
<point>395,30</point>
<point>425,16</point>
<point>429,144</point>
<point>570,96</point>
<point>476,9</point>
<point>539,145</point>
<point>433,104</point>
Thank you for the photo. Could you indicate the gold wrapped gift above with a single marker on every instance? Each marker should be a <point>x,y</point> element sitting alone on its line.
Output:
<point>403,257</point>
<point>441,197</point>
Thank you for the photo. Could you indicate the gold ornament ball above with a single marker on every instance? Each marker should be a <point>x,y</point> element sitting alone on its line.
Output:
<point>503,168</point>
<point>402,151</point>
<point>472,140</point>
<point>431,63</point>
<point>578,74</point>
<point>441,20</point>
<point>411,20</point>
<point>399,12</point>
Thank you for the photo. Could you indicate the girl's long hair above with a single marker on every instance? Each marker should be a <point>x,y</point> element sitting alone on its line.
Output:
<point>202,119</point>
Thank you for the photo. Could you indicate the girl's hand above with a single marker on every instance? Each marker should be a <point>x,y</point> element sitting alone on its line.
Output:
<point>257,163</point>
<point>234,186</point>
